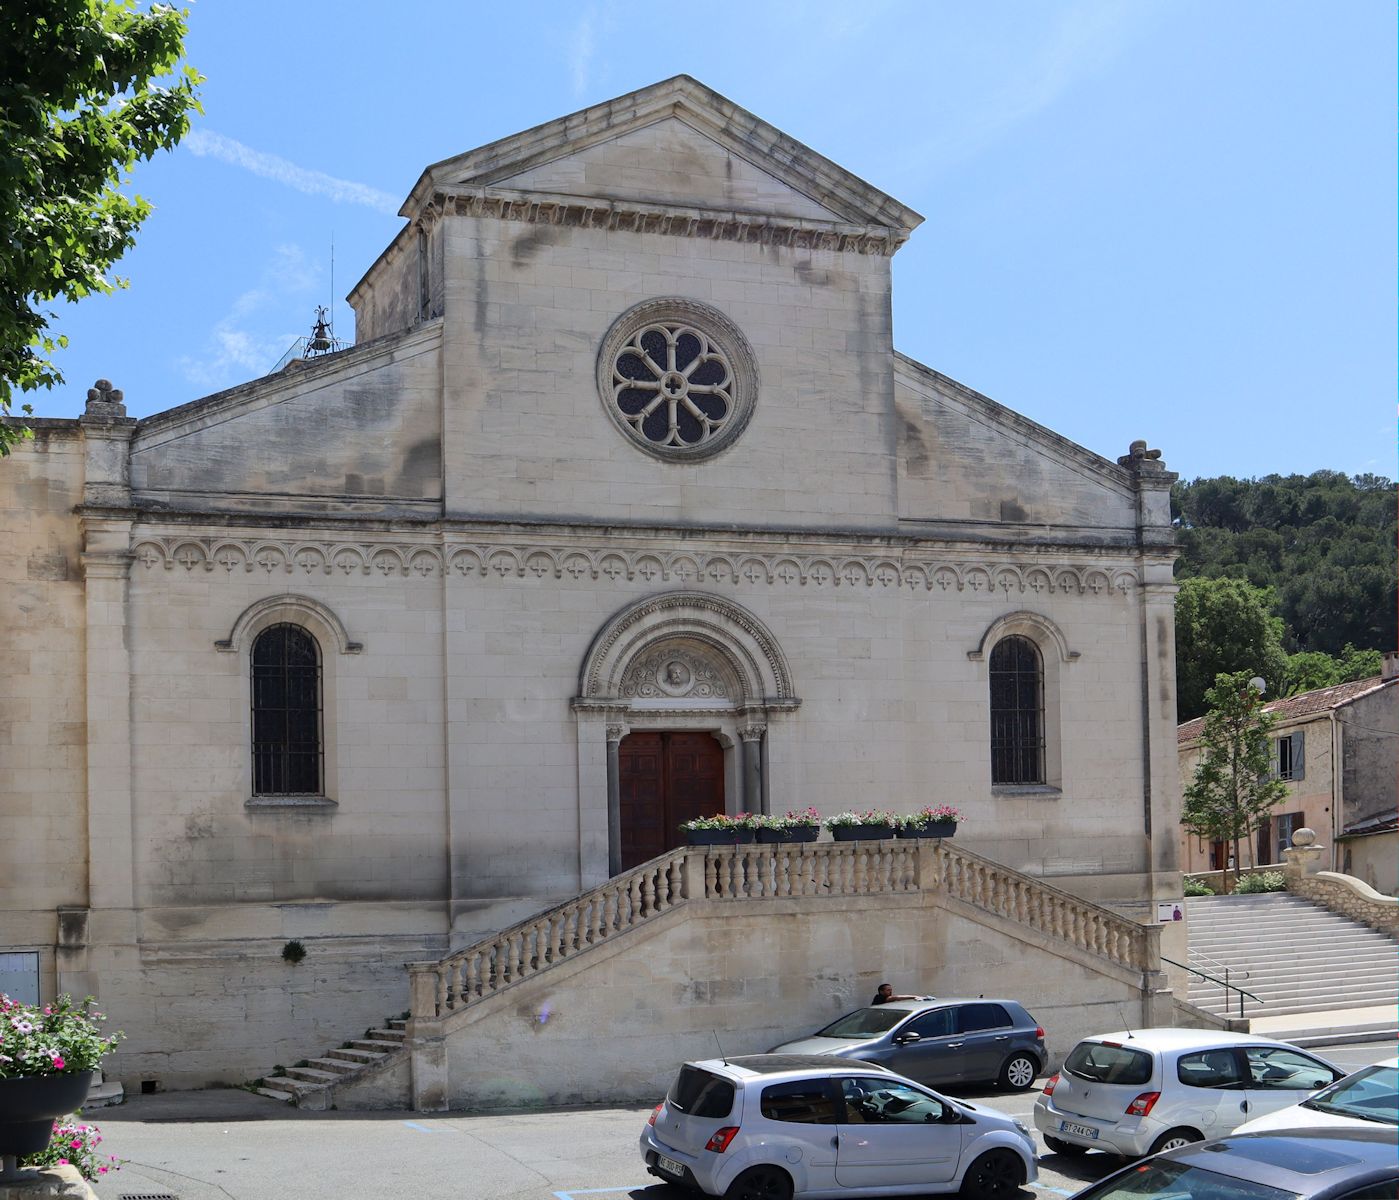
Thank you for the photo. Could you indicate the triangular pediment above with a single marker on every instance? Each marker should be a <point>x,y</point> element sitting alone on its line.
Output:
<point>669,162</point>
<point>675,142</point>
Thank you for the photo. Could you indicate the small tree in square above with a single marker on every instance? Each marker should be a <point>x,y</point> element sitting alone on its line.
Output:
<point>1233,789</point>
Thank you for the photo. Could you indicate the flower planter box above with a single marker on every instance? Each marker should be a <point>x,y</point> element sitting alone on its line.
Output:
<point>931,829</point>
<point>862,833</point>
<point>718,837</point>
<point>30,1104</point>
<point>800,833</point>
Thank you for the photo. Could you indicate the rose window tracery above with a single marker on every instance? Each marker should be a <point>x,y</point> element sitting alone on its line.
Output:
<point>673,386</point>
<point>677,377</point>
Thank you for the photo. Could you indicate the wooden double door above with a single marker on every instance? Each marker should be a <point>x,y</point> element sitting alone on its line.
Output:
<point>665,778</point>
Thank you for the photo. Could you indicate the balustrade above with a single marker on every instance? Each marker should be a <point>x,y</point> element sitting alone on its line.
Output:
<point>769,872</point>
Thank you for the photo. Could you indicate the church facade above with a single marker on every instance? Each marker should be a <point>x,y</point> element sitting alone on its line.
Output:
<point>623,508</point>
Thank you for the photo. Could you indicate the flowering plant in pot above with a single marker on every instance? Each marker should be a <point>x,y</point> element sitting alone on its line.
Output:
<point>802,825</point>
<point>74,1144</point>
<point>720,829</point>
<point>862,826</point>
<point>48,1055</point>
<point>939,822</point>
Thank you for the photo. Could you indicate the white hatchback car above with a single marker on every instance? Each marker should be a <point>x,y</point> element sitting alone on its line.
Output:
<point>774,1126</point>
<point>1367,1098</point>
<point>1155,1089</point>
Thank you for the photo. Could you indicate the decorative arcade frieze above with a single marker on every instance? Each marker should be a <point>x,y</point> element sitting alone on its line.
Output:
<point>914,570</point>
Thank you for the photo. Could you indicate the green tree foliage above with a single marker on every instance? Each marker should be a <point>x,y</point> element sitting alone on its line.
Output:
<point>1324,544</point>
<point>1233,788</point>
<point>87,89</point>
<point>1309,669</point>
<point>1224,625</point>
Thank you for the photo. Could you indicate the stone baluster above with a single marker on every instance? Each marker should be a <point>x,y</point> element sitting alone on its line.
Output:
<point>648,896</point>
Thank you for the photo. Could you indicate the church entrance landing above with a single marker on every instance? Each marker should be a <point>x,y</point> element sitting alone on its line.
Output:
<point>666,778</point>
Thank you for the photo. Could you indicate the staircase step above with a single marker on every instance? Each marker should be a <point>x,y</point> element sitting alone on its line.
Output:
<point>334,1066</point>
<point>379,1045</point>
<point>311,1075</point>
<point>394,1033</point>
<point>360,1058</point>
<point>275,1094</point>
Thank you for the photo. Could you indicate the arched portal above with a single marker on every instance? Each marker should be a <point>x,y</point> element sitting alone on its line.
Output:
<point>704,679</point>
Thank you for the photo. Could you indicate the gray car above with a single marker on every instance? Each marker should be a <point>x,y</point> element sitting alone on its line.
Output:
<point>941,1042</point>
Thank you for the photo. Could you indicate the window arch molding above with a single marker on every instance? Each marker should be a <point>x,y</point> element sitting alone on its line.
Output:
<point>1055,655</point>
<point>333,641</point>
<point>1039,629</point>
<point>288,609</point>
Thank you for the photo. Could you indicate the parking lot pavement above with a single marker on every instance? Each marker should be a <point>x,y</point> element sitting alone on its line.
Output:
<point>232,1145</point>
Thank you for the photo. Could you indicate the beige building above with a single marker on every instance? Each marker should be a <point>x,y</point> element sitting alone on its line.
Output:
<point>1337,748</point>
<point>622,507</point>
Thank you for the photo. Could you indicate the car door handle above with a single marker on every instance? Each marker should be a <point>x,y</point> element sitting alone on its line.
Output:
<point>954,1045</point>
<point>1003,1037</point>
<point>1243,1106</point>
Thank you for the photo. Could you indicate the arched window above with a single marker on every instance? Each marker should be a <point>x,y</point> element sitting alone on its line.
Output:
<point>1017,712</point>
<point>286,693</point>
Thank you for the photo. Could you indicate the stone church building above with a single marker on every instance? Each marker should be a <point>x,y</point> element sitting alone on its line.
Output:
<point>622,508</point>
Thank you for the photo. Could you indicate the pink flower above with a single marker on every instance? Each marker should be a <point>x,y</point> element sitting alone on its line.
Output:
<point>101,1170</point>
<point>57,1063</point>
<point>62,1162</point>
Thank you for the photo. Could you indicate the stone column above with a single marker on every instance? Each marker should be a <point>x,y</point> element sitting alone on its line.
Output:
<point>106,560</point>
<point>752,739</point>
<point>615,734</point>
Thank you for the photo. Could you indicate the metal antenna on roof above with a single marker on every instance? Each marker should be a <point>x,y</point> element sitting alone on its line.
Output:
<point>720,1044</point>
<point>1125,1026</point>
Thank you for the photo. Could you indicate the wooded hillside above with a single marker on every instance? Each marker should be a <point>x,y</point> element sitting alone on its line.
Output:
<point>1324,543</point>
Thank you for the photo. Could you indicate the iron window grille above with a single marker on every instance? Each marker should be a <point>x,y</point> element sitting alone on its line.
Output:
<point>286,713</point>
<point>1017,712</point>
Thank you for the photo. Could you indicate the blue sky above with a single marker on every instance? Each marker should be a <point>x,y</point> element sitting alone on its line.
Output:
<point>1173,220</point>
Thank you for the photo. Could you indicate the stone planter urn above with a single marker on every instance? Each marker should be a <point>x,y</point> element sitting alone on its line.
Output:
<point>29,1106</point>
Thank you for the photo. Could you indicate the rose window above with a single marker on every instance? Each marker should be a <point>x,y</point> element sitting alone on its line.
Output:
<point>678,378</point>
<point>672,386</point>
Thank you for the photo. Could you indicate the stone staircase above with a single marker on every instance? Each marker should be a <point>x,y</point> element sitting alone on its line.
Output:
<point>308,1085</point>
<point>1296,956</point>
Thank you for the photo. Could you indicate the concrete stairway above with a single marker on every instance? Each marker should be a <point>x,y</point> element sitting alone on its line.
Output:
<point>1298,956</point>
<point>305,1083</point>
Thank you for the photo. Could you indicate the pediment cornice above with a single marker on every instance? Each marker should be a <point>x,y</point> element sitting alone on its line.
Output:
<point>548,208</point>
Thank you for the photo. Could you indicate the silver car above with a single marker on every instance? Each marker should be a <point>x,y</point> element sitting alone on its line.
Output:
<point>945,1042</point>
<point>775,1126</point>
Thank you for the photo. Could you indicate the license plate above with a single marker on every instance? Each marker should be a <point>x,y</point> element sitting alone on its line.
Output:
<point>670,1166</point>
<point>1086,1131</point>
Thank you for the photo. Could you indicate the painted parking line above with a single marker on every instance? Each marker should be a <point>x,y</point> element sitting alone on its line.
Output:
<point>421,1128</point>
<point>569,1195</point>
<point>1044,1187</point>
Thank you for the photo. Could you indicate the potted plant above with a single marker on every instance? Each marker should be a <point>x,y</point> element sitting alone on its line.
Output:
<point>938,822</point>
<point>861,826</point>
<point>48,1055</point>
<point>794,826</point>
<point>720,829</point>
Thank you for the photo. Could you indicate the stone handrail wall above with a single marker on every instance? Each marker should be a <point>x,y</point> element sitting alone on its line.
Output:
<point>731,874</point>
<point>438,989</point>
<point>1348,896</point>
<point>1216,879</point>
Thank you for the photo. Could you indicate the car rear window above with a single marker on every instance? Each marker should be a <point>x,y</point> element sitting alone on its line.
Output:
<point>1107,1062</point>
<point>1154,1179</point>
<point>700,1094</point>
<point>982,1016</point>
<point>864,1023</point>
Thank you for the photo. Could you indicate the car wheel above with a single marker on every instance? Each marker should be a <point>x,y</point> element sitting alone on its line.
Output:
<point>761,1183</point>
<point>1067,1149</point>
<point>1018,1073</point>
<point>1174,1138</point>
<point>994,1176</point>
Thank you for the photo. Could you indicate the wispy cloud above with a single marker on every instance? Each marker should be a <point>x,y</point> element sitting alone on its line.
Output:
<point>251,336</point>
<point>1084,39</point>
<point>207,144</point>
<point>581,47</point>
